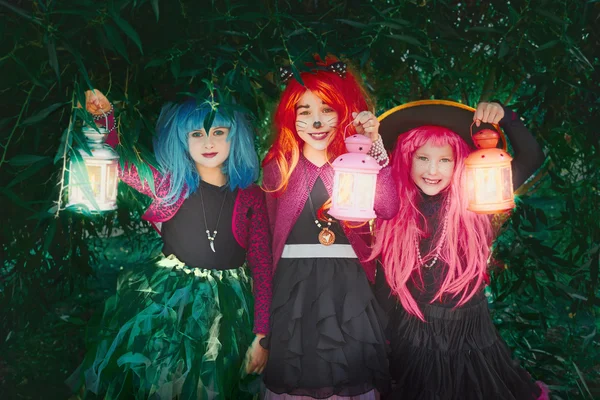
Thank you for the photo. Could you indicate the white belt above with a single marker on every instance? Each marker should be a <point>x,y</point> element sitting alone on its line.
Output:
<point>318,251</point>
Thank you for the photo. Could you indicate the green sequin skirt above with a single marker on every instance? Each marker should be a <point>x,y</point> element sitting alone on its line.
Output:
<point>172,332</point>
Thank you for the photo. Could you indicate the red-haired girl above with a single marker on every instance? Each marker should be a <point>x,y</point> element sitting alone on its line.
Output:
<point>327,338</point>
<point>435,253</point>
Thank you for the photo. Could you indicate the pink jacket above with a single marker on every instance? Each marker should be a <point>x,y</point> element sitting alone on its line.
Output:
<point>284,209</point>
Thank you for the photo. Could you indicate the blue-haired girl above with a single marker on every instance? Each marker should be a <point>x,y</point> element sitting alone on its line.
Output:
<point>186,325</point>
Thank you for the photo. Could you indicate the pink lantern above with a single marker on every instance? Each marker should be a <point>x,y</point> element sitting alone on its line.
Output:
<point>354,181</point>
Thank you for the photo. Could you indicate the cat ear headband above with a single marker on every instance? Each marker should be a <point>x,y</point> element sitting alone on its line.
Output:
<point>338,67</point>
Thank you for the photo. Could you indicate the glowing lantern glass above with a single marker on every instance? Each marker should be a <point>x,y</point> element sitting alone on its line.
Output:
<point>354,181</point>
<point>489,175</point>
<point>102,170</point>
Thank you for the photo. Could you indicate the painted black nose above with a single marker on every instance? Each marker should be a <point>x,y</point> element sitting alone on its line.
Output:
<point>317,124</point>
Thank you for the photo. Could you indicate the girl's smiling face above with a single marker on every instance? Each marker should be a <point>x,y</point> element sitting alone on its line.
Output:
<point>315,121</point>
<point>432,168</point>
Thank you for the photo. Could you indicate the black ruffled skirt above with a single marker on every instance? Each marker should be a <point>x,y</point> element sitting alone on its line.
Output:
<point>456,354</point>
<point>327,335</point>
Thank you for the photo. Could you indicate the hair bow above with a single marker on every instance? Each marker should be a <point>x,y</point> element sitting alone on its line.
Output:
<point>338,67</point>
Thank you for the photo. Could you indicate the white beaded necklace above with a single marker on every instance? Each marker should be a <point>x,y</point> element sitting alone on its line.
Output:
<point>439,245</point>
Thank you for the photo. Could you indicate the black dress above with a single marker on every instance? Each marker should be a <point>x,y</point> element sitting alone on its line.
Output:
<point>327,335</point>
<point>179,325</point>
<point>456,353</point>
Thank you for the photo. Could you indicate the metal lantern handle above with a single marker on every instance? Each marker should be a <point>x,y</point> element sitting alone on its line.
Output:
<point>471,127</point>
<point>105,119</point>
<point>346,130</point>
<point>501,136</point>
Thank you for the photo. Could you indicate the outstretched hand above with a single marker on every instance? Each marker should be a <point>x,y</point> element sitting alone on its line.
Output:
<point>366,124</point>
<point>256,356</point>
<point>490,113</point>
<point>96,102</point>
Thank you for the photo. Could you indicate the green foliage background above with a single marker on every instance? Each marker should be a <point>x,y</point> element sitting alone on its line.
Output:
<point>539,56</point>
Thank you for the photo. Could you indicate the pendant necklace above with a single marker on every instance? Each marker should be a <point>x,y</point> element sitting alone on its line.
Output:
<point>326,236</point>
<point>211,239</point>
<point>440,242</point>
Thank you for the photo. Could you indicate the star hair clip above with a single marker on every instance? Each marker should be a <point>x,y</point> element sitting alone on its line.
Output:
<point>339,68</point>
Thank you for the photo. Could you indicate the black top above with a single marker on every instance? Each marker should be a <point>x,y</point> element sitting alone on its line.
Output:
<point>528,158</point>
<point>305,231</point>
<point>184,235</point>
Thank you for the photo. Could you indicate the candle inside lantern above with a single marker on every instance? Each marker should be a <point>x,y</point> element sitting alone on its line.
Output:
<point>354,182</point>
<point>99,191</point>
<point>489,175</point>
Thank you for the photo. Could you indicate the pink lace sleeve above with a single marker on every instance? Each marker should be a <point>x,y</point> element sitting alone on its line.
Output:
<point>260,260</point>
<point>386,195</point>
<point>270,178</point>
<point>128,173</point>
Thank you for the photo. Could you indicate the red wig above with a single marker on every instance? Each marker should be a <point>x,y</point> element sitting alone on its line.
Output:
<point>344,95</point>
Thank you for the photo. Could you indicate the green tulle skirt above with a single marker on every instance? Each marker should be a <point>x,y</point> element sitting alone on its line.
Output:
<point>172,332</point>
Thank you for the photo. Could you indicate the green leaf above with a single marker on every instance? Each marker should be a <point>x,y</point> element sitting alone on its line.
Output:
<point>552,17</point>
<point>52,58</point>
<point>155,63</point>
<point>504,49</point>
<point>155,8</point>
<point>297,74</point>
<point>15,199</point>
<point>34,77</point>
<point>225,48</point>
<point>548,45</point>
<point>41,115</point>
<point>128,30</point>
<point>80,66</point>
<point>21,12</point>
<point>485,29</point>
<point>407,39</point>
<point>175,67</point>
<point>49,237</point>
<point>25,159</point>
<point>31,171</point>
<point>395,25</point>
<point>582,379</point>
<point>208,120</point>
<point>115,40</point>
<point>354,24</point>
<point>63,143</point>
<point>81,142</point>
<point>133,358</point>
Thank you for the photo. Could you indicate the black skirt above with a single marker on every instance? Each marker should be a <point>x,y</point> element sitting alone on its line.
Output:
<point>455,354</point>
<point>327,336</point>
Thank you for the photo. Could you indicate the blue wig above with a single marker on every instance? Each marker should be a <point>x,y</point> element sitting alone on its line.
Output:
<point>171,147</point>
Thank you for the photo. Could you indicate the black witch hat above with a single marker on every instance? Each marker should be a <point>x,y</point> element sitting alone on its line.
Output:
<point>452,115</point>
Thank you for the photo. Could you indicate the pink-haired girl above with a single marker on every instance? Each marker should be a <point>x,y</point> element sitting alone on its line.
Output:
<point>434,254</point>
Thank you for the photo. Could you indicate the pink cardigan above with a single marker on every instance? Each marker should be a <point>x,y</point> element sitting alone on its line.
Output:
<point>284,209</point>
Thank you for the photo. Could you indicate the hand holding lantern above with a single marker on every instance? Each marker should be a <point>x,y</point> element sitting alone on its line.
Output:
<point>99,191</point>
<point>354,181</point>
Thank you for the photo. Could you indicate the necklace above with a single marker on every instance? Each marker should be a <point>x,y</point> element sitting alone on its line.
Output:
<point>326,236</point>
<point>439,245</point>
<point>211,239</point>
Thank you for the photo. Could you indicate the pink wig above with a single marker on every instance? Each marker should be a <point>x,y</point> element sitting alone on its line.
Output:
<point>466,249</point>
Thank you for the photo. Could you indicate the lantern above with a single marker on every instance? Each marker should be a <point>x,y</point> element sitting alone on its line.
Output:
<point>101,168</point>
<point>355,177</point>
<point>489,175</point>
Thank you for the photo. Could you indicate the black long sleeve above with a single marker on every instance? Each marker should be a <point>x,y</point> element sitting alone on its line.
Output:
<point>528,155</point>
<point>383,292</point>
